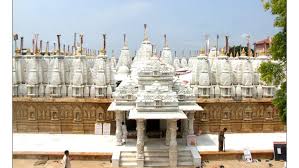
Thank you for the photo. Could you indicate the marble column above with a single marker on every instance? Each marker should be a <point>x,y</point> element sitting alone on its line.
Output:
<point>167,136</point>
<point>173,156</point>
<point>191,121</point>
<point>118,132</point>
<point>140,143</point>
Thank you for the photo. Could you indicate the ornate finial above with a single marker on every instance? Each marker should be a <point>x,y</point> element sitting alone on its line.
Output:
<point>41,46</point>
<point>145,32</point>
<point>165,41</point>
<point>21,46</point>
<point>36,48</point>
<point>222,51</point>
<point>47,48</point>
<point>125,40</point>
<point>103,50</point>
<point>68,49</point>
<point>33,44</point>
<point>75,42</point>
<point>249,52</point>
<point>58,44</point>
<point>63,49</point>
<point>73,50</point>
<point>54,52</point>
<point>243,52</point>
<point>202,51</point>
<point>81,43</point>
<point>17,50</point>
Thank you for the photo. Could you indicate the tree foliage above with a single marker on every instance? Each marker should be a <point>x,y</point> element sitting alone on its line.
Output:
<point>275,71</point>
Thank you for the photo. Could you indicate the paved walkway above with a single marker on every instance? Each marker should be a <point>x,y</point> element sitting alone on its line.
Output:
<point>24,142</point>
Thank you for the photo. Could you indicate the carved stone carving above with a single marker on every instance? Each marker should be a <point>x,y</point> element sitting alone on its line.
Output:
<point>31,113</point>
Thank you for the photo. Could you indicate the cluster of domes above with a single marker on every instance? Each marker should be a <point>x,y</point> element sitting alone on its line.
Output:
<point>225,76</point>
<point>57,74</point>
<point>83,73</point>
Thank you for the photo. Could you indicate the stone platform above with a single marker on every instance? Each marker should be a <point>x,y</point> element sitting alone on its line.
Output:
<point>101,147</point>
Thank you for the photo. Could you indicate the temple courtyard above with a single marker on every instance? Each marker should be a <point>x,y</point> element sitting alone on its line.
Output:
<point>27,142</point>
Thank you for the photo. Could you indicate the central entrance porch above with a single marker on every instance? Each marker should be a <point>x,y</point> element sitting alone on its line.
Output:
<point>154,128</point>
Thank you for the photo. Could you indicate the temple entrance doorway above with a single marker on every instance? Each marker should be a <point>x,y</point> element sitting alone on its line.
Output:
<point>131,128</point>
<point>153,129</point>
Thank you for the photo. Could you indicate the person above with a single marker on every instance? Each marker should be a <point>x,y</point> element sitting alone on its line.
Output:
<point>221,139</point>
<point>124,132</point>
<point>66,161</point>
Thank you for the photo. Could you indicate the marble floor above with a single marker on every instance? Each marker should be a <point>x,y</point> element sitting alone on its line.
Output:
<point>23,142</point>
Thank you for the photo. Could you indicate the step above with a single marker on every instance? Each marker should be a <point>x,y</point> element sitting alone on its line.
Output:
<point>156,159</point>
<point>151,164</point>
<point>156,151</point>
<point>128,164</point>
<point>186,163</point>
<point>156,154</point>
<point>128,159</point>
<point>128,154</point>
<point>185,158</point>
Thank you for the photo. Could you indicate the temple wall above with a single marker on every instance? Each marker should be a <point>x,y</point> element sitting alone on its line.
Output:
<point>61,115</point>
<point>79,115</point>
<point>248,115</point>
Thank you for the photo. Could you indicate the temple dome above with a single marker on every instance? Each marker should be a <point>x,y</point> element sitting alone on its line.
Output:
<point>123,70</point>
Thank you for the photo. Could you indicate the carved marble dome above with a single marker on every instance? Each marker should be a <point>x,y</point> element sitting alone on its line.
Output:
<point>204,71</point>
<point>166,56</point>
<point>184,63</point>
<point>77,74</point>
<point>124,58</point>
<point>176,63</point>
<point>247,74</point>
<point>32,78</point>
<point>55,78</point>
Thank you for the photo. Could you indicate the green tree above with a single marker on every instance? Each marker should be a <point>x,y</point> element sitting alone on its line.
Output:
<point>275,71</point>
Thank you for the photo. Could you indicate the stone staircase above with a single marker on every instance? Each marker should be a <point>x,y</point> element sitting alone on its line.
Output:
<point>185,158</point>
<point>127,159</point>
<point>156,158</point>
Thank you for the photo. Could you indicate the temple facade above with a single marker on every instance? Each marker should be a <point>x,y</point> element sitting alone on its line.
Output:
<point>71,88</point>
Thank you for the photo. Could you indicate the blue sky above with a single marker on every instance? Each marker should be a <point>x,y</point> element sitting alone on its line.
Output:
<point>184,22</point>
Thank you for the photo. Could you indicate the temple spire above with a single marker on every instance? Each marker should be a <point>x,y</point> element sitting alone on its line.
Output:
<point>36,51</point>
<point>41,46</point>
<point>58,43</point>
<point>165,41</point>
<point>81,43</point>
<point>21,46</point>
<point>243,52</point>
<point>103,50</point>
<point>16,37</point>
<point>54,51</point>
<point>145,32</point>
<point>47,48</point>
<point>125,40</point>
<point>68,49</point>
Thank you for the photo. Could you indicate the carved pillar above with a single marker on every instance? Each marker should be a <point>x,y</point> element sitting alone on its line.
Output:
<point>167,137</point>
<point>173,144</point>
<point>118,132</point>
<point>191,119</point>
<point>140,143</point>
<point>185,130</point>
